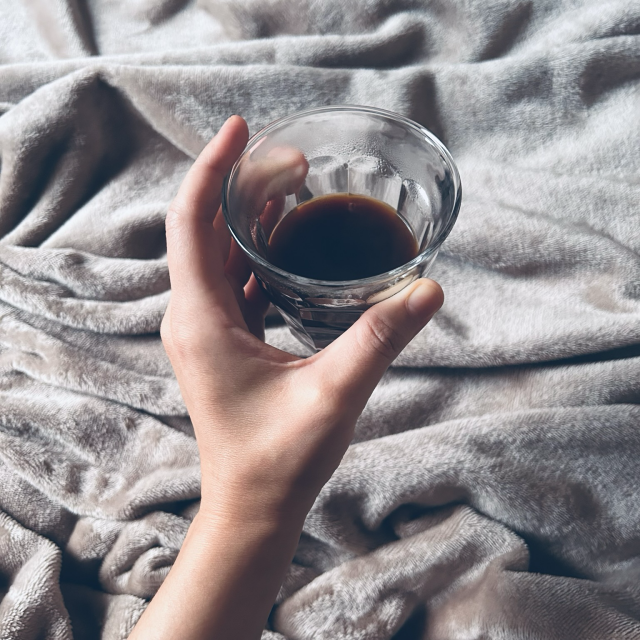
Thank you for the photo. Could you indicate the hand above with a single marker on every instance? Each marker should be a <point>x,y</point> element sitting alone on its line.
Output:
<point>271,428</point>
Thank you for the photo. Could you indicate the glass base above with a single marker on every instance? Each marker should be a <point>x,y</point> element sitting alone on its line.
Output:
<point>318,328</point>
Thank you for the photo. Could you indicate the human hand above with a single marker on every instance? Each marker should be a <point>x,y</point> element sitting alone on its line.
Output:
<point>271,427</point>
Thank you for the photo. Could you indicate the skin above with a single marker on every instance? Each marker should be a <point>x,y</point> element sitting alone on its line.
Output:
<point>271,428</point>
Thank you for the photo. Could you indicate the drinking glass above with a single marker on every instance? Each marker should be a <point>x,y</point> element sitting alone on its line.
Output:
<point>339,149</point>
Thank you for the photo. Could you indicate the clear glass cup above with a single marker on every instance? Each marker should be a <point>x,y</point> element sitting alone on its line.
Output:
<point>339,149</point>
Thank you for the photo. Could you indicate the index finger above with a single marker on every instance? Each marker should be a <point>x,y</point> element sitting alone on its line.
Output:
<point>196,266</point>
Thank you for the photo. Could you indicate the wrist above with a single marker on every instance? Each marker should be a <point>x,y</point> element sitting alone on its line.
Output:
<point>263,505</point>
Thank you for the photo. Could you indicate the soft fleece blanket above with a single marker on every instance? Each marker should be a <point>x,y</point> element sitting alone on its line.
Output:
<point>493,489</point>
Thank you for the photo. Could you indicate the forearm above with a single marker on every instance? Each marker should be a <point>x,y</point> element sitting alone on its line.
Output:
<point>224,580</point>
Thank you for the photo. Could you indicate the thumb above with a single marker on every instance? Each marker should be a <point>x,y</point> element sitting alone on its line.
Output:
<point>359,357</point>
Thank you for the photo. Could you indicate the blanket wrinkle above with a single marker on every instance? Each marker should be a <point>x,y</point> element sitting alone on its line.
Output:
<point>139,560</point>
<point>30,565</point>
<point>490,488</point>
<point>555,507</point>
<point>65,27</point>
<point>57,364</point>
<point>111,279</point>
<point>426,547</point>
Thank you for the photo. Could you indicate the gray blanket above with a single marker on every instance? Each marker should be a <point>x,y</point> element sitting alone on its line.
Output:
<point>493,487</point>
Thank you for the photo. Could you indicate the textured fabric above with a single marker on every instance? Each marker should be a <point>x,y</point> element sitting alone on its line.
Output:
<point>492,490</point>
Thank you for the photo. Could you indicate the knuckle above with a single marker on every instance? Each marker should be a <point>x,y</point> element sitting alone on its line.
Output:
<point>380,336</point>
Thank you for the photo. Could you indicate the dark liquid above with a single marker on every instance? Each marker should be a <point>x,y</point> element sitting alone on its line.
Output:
<point>341,237</point>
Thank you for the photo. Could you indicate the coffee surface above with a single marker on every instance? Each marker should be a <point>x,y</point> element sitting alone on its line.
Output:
<point>341,237</point>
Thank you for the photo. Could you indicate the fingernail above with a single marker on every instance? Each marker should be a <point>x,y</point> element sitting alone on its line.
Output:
<point>423,301</point>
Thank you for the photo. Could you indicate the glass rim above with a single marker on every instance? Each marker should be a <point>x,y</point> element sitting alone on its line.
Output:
<point>397,271</point>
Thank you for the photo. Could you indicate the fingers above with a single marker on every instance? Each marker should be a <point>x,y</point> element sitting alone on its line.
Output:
<point>256,307</point>
<point>262,184</point>
<point>237,269</point>
<point>278,173</point>
<point>264,181</point>
<point>196,264</point>
<point>271,214</point>
<point>359,357</point>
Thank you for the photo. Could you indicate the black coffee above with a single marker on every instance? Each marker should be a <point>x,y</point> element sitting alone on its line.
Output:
<point>341,237</point>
